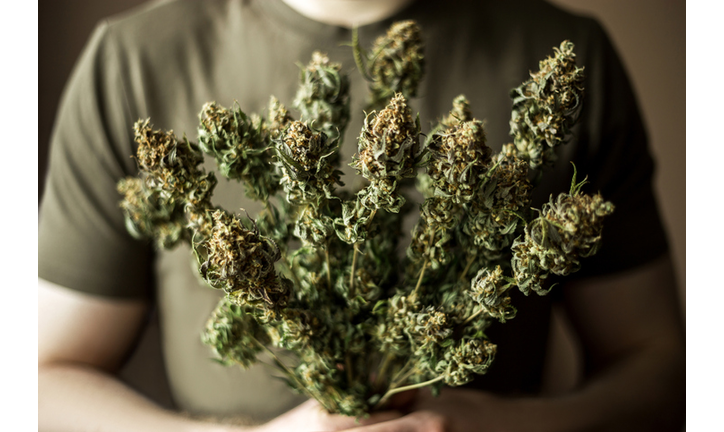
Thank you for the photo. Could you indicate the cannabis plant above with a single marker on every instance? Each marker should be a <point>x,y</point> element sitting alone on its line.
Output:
<point>316,272</point>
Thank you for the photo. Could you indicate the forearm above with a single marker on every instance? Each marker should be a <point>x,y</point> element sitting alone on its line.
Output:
<point>77,398</point>
<point>643,391</point>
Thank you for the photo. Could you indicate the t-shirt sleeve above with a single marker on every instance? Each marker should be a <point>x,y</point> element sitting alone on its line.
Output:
<point>82,240</point>
<point>615,155</point>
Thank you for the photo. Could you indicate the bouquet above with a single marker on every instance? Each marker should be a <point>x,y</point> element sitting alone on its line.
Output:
<point>317,272</point>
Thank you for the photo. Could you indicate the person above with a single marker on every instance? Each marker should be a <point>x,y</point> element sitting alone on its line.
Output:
<point>166,59</point>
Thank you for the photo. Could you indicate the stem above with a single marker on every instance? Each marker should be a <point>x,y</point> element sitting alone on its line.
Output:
<point>395,379</point>
<point>271,212</point>
<point>467,267</point>
<point>329,268</point>
<point>413,297</point>
<point>410,387</point>
<point>286,370</point>
<point>470,318</point>
<point>383,369</point>
<point>372,216</point>
<point>351,274</point>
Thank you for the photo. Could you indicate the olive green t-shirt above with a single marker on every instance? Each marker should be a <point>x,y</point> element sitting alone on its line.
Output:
<point>165,60</point>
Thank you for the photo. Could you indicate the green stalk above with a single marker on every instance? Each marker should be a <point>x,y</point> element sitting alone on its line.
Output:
<point>413,297</point>
<point>329,268</point>
<point>351,274</point>
<point>394,391</point>
<point>471,317</point>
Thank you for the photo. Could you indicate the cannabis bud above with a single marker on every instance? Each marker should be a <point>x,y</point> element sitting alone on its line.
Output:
<point>395,63</point>
<point>460,113</point>
<point>323,96</point>
<point>174,191</point>
<point>234,335</point>
<point>565,231</point>
<point>148,215</point>
<point>304,156</point>
<point>240,261</point>
<point>460,158</point>
<point>489,289</point>
<point>546,106</point>
<point>389,150</point>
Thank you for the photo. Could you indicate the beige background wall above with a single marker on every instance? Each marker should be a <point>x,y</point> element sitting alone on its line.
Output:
<point>649,34</point>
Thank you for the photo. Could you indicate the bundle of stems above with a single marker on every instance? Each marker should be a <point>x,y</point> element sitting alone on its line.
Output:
<point>317,273</point>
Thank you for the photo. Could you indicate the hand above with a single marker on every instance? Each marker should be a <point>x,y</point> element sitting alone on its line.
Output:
<point>311,417</point>
<point>454,410</point>
<point>465,410</point>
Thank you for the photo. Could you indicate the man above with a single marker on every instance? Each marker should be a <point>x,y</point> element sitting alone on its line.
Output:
<point>166,60</point>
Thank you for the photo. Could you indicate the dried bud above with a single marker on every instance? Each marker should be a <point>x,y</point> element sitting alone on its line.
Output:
<point>312,227</point>
<point>239,144</point>
<point>460,158</point>
<point>396,63</point>
<point>171,165</point>
<point>279,118</point>
<point>388,143</point>
<point>467,358</point>
<point>304,155</point>
<point>460,113</point>
<point>234,335</point>
<point>241,262</point>
<point>489,290</point>
<point>323,96</point>
<point>148,216</point>
<point>567,230</point>
<point>494,214</point>
<point>546,106</point>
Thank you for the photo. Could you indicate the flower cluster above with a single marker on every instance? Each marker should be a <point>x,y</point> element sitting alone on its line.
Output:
<point>239,143</point>
<point>394,64</point>
<point>234,335</point>
<point>566,230</point>
<point>389,150</point>
<point>174,192</point>
<point>546,106</point>
<point>323,96</point>
<point>240,261</point>
<point>489,289</point>
<point>459,159</point>
<point>304,159</point>
<point>358,322</point>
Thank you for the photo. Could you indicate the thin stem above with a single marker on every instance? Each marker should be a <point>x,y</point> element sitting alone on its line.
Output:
<point>395,379</point>
<point>286,370</point>
<point>410,387</point>
<point>399,380</point>
<point>383,369</point>
<point>413,297</point>
<point>271,212</point>
<point>351,274</point>
<point>471,317</point>
<point>329,268</point>
<point>372,216</point>
<point>467,267</point>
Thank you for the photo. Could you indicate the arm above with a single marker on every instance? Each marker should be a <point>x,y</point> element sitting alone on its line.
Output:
<point>633,341</point>
<point>82,341</point>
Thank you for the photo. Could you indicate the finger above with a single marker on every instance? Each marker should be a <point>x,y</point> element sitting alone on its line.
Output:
<point>379,417</point>
<point>423,421</point>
